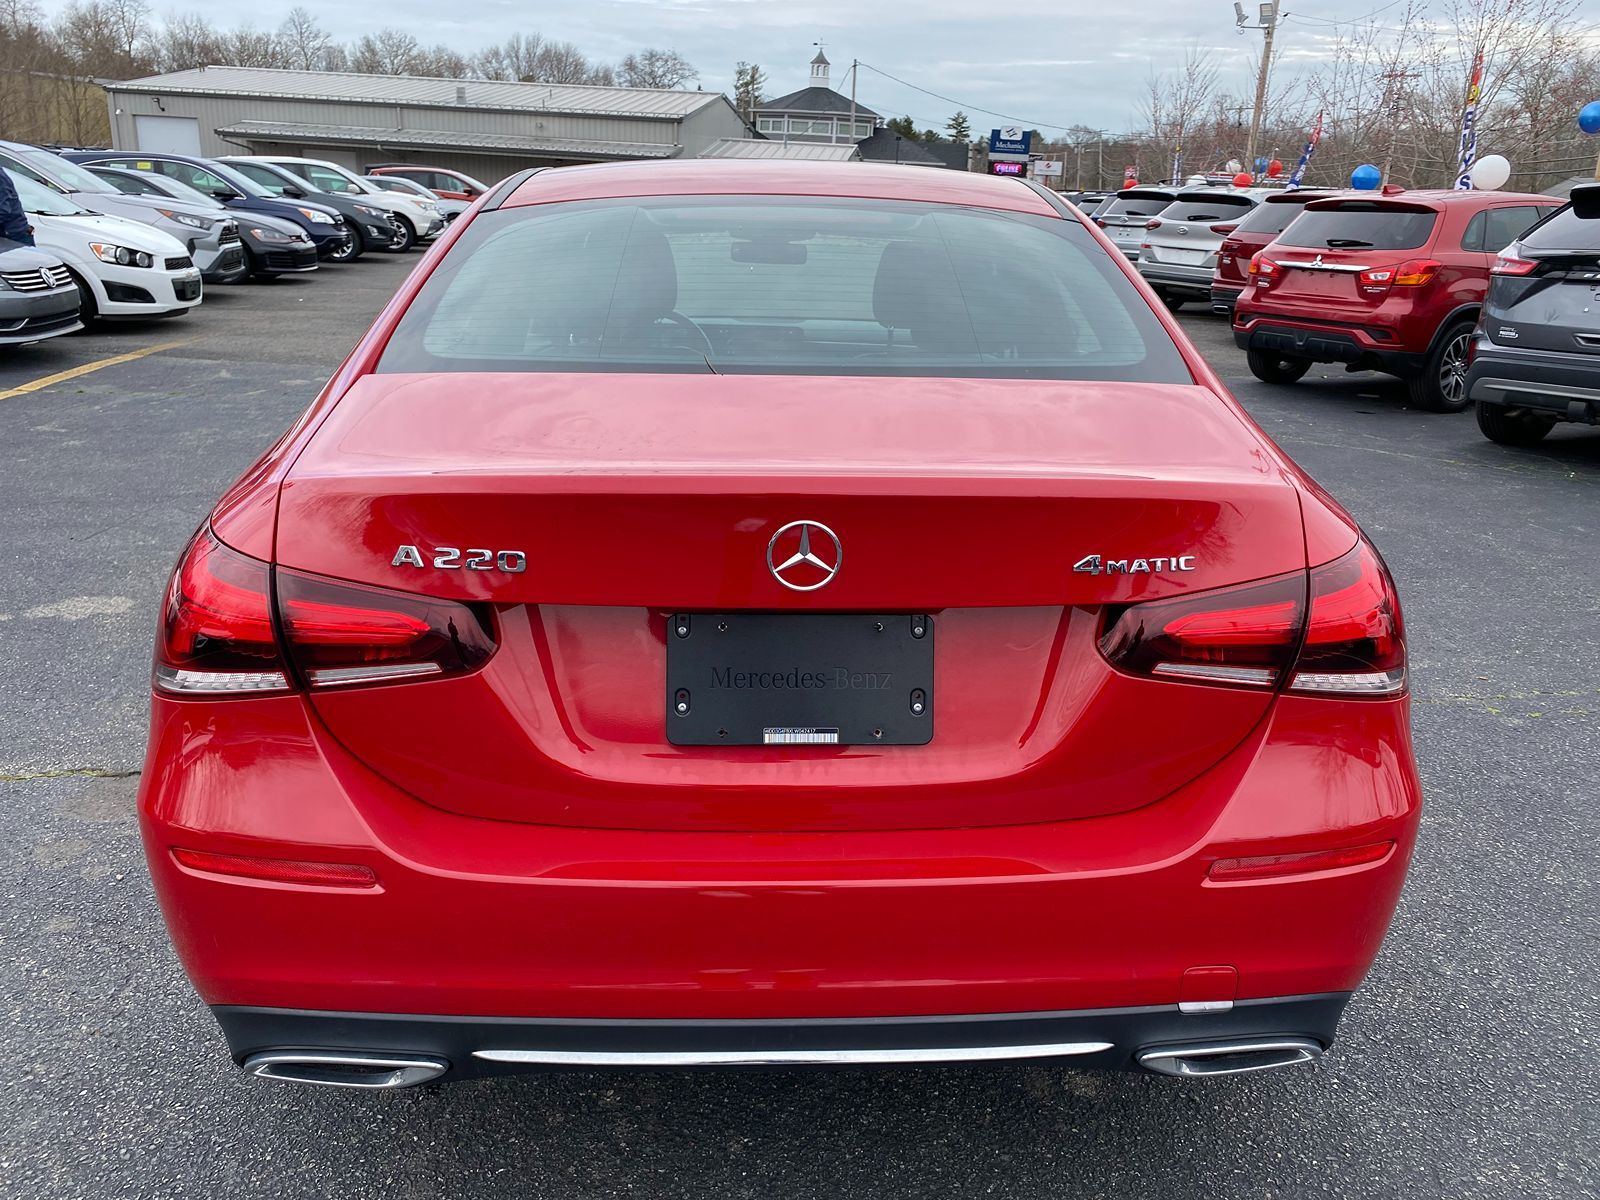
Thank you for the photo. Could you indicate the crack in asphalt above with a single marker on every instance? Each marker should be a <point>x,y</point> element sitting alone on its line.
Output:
<point>71,772</point>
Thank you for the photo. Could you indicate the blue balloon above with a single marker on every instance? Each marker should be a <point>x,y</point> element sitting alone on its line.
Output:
<point>1366,178</point>
<point>1589,117</point>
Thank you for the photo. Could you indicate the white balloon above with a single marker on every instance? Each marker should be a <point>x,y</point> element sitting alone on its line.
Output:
<point>1490,172</point>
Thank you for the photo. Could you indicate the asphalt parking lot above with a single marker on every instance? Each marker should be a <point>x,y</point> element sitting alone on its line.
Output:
<point>1465,1066</point>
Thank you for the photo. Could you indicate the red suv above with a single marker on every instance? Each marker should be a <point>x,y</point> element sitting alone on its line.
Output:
<point>450,185</point>
<point>1387,283</point>
<point>1255,231</point>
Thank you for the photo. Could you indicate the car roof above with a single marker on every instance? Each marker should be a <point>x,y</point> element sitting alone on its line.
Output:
<point>781,177</point>
<point>1439,199</point>
<point>1305,195</point>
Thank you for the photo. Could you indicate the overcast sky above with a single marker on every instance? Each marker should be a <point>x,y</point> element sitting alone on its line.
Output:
<point>1046,63</point>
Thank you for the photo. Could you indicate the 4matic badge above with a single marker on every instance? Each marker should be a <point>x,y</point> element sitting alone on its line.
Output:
<point>1094,564</point>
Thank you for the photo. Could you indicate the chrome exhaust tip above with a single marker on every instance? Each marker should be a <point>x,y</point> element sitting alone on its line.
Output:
<point>1229,1058</point>
<point>348,1069</point>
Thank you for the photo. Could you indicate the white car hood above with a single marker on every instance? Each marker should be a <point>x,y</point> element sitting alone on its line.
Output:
<point>81,230</point>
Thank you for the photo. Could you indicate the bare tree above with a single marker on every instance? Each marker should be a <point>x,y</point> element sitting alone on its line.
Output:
<point>387,52</point>
<point>305,44</point>
<point>653,68</point>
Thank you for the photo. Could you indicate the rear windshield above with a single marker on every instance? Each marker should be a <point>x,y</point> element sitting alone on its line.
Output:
<point>1363,228</point>
<point>1564,231</point>
<point>782,285</point>
<point>1135,206</point>
<point>1208,208</point>
<point>1271,217</point>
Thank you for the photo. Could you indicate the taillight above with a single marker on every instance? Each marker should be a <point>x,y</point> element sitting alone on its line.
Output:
<point>216,630</point>
<point>1355,637</point>
<point>1416,272</point>
<point>1100,221</point>
<point>346,633</point>
<point>1351,642</point>
<point>1509,264</point>
<point>1263,270</point>
<point>1153,223</point>
<point>1226,228</point>
<point>1241,636</point>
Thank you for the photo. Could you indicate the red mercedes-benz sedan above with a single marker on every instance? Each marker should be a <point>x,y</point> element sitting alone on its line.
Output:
<point>768,613</point>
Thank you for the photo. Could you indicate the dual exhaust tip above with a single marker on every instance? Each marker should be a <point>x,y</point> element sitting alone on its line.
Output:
<point>380,1072</point>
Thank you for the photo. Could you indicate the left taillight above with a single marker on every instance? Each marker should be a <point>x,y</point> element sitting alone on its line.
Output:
<point>216,629</point>
<point>220,636</point>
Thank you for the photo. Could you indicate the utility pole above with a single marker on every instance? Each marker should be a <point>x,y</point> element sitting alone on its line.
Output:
<point>1271,18</point>
<point>1394,88</point>
<point>854,63</point>
<point>1100,164</point>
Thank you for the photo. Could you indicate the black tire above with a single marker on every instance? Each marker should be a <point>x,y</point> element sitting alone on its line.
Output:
<point>1173,303</point>
<point>351,252</point>
<point>1442,384</point>
<point>88,308</point>
<point>1512,426</point>
<point>407,238</point>
<point>1277,368</point>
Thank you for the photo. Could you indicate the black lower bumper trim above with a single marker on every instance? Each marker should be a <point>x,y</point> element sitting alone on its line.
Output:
<point>1101,1038</point>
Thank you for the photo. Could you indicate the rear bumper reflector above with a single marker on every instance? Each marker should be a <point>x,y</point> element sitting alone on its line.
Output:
<point>277,870</point>
<point>1272,866</point>
<point>177,679</point>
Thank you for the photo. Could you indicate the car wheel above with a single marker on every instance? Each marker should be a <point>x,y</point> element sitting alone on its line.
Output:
<point>1512,426</point>
<point>351,251</point>
<point>1173,303</point>
<point>405,239</point>
<point>1277,368</point>
<point>1442,385</point>
<point>88,308</point>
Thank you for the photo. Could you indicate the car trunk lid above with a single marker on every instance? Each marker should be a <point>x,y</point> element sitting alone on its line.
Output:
<point>638,500</point>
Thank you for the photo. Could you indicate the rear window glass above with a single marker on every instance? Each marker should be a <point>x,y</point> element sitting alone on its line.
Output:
<point>1135,206</point>
<point>1271,218</point>
<point>1564,231</point>
<point>783,285</point>
<point>1361,229</point>
<point>1208,208</point>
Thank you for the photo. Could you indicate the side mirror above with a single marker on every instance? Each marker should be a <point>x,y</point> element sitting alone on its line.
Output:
<point>224,194</point>
<point>470,191</point>
<point>293,192</point>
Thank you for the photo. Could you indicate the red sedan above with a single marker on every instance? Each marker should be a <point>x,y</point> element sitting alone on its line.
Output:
<point>772,613</point>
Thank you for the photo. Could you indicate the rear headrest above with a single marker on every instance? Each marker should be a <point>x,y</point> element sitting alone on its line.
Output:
<point>647,283</point>
<point>916,290</point>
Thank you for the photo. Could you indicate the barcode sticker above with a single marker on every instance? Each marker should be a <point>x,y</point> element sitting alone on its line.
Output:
<point>784,735</point>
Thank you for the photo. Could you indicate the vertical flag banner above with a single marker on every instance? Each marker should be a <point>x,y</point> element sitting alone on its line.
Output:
<point>1177,165</point>
<point>1469,128</point>
<point>1299,174</point>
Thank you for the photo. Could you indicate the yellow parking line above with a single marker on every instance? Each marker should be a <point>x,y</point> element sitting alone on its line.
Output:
<point>89,368</point>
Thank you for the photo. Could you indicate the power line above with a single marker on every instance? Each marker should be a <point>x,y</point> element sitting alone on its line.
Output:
<point>988,112</point>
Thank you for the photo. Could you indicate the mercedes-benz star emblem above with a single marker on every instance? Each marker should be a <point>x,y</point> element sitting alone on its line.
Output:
<point>799,556</point>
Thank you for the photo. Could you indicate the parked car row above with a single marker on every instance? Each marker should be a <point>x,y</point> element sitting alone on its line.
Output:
<point>1479,298</point>
<point>138,235</point>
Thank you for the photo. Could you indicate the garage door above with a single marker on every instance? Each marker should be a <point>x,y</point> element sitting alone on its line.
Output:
<point>167,135</point>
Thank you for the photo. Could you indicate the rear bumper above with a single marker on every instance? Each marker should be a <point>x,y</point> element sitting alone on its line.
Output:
<point>484,918</point>
<point>1175,278</point>
<point>1564,386</point>
<point>1223,298</point>
<point>474,1047</point>
<point>1355,346</point>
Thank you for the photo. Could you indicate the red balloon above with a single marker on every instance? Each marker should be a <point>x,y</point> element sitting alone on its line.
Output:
<point>1130,182</point>
<point>1243,179</point>
<point>1274,169</point>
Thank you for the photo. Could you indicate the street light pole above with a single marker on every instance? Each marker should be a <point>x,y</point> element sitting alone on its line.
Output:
<point>1271,18</point>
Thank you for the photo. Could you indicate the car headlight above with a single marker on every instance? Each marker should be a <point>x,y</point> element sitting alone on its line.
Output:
<point>377,214</point>
<point>271,236</point>
<point>183,218</point>
<point>317,218</point>
<point>121,256</point>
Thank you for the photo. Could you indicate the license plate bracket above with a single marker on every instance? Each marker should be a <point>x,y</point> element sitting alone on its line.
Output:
<point>764,679</point>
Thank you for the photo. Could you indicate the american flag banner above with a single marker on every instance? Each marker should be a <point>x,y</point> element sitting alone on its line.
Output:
<point>1469,128</point>
<point>1298,175</point>
<point>1177,165</point>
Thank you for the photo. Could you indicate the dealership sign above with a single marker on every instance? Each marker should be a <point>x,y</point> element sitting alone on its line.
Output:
<point>1013,139</point>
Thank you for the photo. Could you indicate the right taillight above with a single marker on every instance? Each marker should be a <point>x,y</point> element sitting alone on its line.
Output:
<point>1263,270</point>
<point>1336,630</point>
<point>1355,636</point>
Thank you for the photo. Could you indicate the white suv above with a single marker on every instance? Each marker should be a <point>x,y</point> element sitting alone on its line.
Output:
<point>1179,252</point>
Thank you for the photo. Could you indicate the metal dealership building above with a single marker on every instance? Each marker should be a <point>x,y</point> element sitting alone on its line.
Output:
<point>486,128</point>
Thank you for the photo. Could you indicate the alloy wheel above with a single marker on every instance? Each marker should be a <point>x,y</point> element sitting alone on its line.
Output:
<point>1453,370</point>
